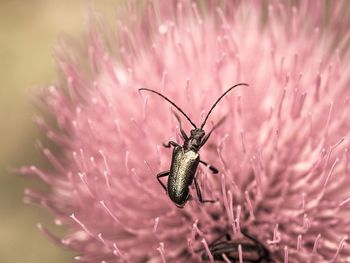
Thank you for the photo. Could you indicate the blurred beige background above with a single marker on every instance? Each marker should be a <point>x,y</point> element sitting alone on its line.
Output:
<point>28,33</point>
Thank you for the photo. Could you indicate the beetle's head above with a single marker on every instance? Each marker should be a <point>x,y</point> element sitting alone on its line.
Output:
<point>195,140</point>
<point>197,134</point>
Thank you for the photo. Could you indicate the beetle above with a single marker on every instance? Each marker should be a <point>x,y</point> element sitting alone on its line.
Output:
<point>185,158</point>
<point>252,250</point>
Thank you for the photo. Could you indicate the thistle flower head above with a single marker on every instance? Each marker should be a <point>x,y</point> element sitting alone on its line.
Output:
<point>281,150</point>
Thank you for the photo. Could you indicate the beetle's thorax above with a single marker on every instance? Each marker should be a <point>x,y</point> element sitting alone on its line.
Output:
<point>194,141</point>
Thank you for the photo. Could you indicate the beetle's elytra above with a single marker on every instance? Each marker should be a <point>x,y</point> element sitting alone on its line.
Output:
<point>185,158</point>
<point>251,250</point>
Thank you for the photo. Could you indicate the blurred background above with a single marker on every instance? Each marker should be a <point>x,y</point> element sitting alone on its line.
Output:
<point>28,32</point>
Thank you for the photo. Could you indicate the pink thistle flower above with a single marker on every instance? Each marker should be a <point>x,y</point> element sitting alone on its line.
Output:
<point>282,151</point>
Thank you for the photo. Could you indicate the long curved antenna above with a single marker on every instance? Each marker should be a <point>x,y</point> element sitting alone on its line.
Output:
<point>172,103</point>
<point>217,101</point>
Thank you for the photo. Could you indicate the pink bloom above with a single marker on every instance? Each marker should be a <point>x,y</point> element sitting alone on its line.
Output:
<point>282,150</point>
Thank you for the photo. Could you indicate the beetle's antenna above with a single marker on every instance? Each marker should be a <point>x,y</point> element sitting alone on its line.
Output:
<point>217,101</point>
<point>172,103</point>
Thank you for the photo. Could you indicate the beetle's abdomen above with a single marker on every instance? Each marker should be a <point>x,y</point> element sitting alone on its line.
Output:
<point>252,250</point>
<point>182,171</point>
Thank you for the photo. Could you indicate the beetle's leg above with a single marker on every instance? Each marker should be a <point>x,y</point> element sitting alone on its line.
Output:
<point>183,134</point>
<point>206,137</point>
<point>199,194</point>
<point>162,174</point>
<point>213,169</point>
<point>189,197</point>
<point>169,144</point>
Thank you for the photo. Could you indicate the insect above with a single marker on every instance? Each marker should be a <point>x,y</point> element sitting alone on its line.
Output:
<point>185,158</point>
<point>252,251</point>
